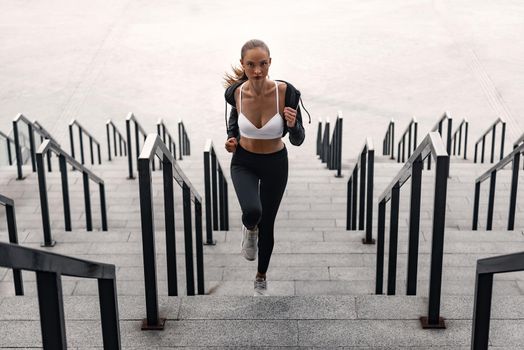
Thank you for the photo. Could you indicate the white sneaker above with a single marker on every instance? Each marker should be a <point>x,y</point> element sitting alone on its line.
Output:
<point>249,243</point>
<point>260,287</point>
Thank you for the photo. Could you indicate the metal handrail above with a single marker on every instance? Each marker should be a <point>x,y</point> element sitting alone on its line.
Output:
<point>464,124</point>
<point>215,197</point>
<point>13,238</point>
<point>388,144</point>
<point>324,153</point>
<point>513,157</point>
<point>438,128</point>
<point>411,133</point>
<point>49,269</point>
<point>319,138</point>
<point>486,268</point>
<point>8,143</point>
<point>184,145</point>
<point>163,132</point>
<point>63,158</point>
<point>138,130</point>
<point>82,131</point>
<point>334,160</point>
<point>154,146</point>
<point>482,139</point>
<point>432,144</point>
<point>366,165</point>
<point>121,141</point>
<point>33,126</point>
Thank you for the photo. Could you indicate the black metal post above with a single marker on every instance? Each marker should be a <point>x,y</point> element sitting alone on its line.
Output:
<point>466,140</point>
<point>107,296</point>
<point>393,239</point>
<point>513,192</point>
<point>414,224</point>
<point>44,207</point>
<point>379,275</point>
<point>180,141</point>
<point>503,140</point>
<point>476,207</point>
<point>108,142</point>
<point>491,199</point>
<point>319,139</point>
<point>65,192</point>
<point>221,197</point>
<point>207,192</point>
<point>99,154</point>
<point>214,189</point>
<point>482,311</point>
<point>483,149</point>
<point>51,305</point>
<point>493,143</point>
<point>103,212</point>
<point>448,138</point>
<point>354,201</point>
<point>91,150</point>
<point>188,240</point>
<point>362,195</point>
<point>81,137</point>
<point>226,206</point>
<point>87,201</point>
<point>18,152</point>
<point>475,158</point>
<point>339,149</point>
<point>32,145</point>
<point>153,321</point>
<point>169,217</point>
<point>369,201</point>
<point>13,238</point>
<point>199,248</point>
<point>348,203</point>
<point>129,156</point>
<point>433,320</point>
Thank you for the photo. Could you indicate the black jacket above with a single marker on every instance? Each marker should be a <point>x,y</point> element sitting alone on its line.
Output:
<point>296,133</point>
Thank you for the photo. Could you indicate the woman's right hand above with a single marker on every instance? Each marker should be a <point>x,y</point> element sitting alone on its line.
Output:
<point>231,144</point>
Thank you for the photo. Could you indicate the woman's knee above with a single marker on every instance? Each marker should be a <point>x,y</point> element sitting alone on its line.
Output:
<point>251,216</point>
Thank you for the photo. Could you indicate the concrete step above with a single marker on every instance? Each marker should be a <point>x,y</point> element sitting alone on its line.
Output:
<point>365,322</point>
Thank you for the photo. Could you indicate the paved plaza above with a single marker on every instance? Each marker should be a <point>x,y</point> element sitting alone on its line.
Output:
<point>371,61</point>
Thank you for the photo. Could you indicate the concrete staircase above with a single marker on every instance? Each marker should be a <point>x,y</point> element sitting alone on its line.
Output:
<point>321,277</point>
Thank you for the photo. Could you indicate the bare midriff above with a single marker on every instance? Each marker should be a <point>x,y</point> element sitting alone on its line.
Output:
<point>261,146</point>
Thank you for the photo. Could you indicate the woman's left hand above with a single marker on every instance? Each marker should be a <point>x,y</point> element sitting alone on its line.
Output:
<point>290,115</point>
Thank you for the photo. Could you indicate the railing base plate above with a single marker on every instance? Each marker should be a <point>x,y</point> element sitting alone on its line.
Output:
<point>214,242</point>
<point>52,244</point>
<point>157,327</point>
<point>130,178</point>
<point>364,241</point>
<point>425,325</point>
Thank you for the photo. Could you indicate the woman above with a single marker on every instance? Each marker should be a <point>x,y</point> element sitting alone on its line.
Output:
<point>263,111</point>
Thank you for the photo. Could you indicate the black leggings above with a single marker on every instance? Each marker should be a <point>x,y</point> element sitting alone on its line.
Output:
<point>260,181</point>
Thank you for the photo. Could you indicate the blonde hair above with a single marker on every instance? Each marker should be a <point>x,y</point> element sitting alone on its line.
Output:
<point>238,74</point>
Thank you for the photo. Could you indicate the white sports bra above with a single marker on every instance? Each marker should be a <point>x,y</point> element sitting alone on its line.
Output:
<point>273,129</point>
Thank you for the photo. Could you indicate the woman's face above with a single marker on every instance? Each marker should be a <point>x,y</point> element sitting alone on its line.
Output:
<point>256,63</point>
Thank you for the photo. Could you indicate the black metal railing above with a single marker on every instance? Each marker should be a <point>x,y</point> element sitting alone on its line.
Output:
<point>432,144</point>
<point>32,127</point>
<point>482,141</point>
<point>439,128</point>
<point>388,145</point>
<point>184,145</point>
<point>486,268</point>
<point>411,135</point>
<point>154,146</point>
<point>319,138</point>
<point>120,146</point>
<point>81,132</point>
<point>324,142</point>
<point>13,238</point>
<point>514,158</point>
<point>138,130</point>
<point>462,129</point>
<point>166,137</point>
<point>215,184</point>
<point>49,269</point>
<point>334,161</point>
<point>366,165</point>
<point>64,158</point>
<point>519,141</point>
<point>8,142</point>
